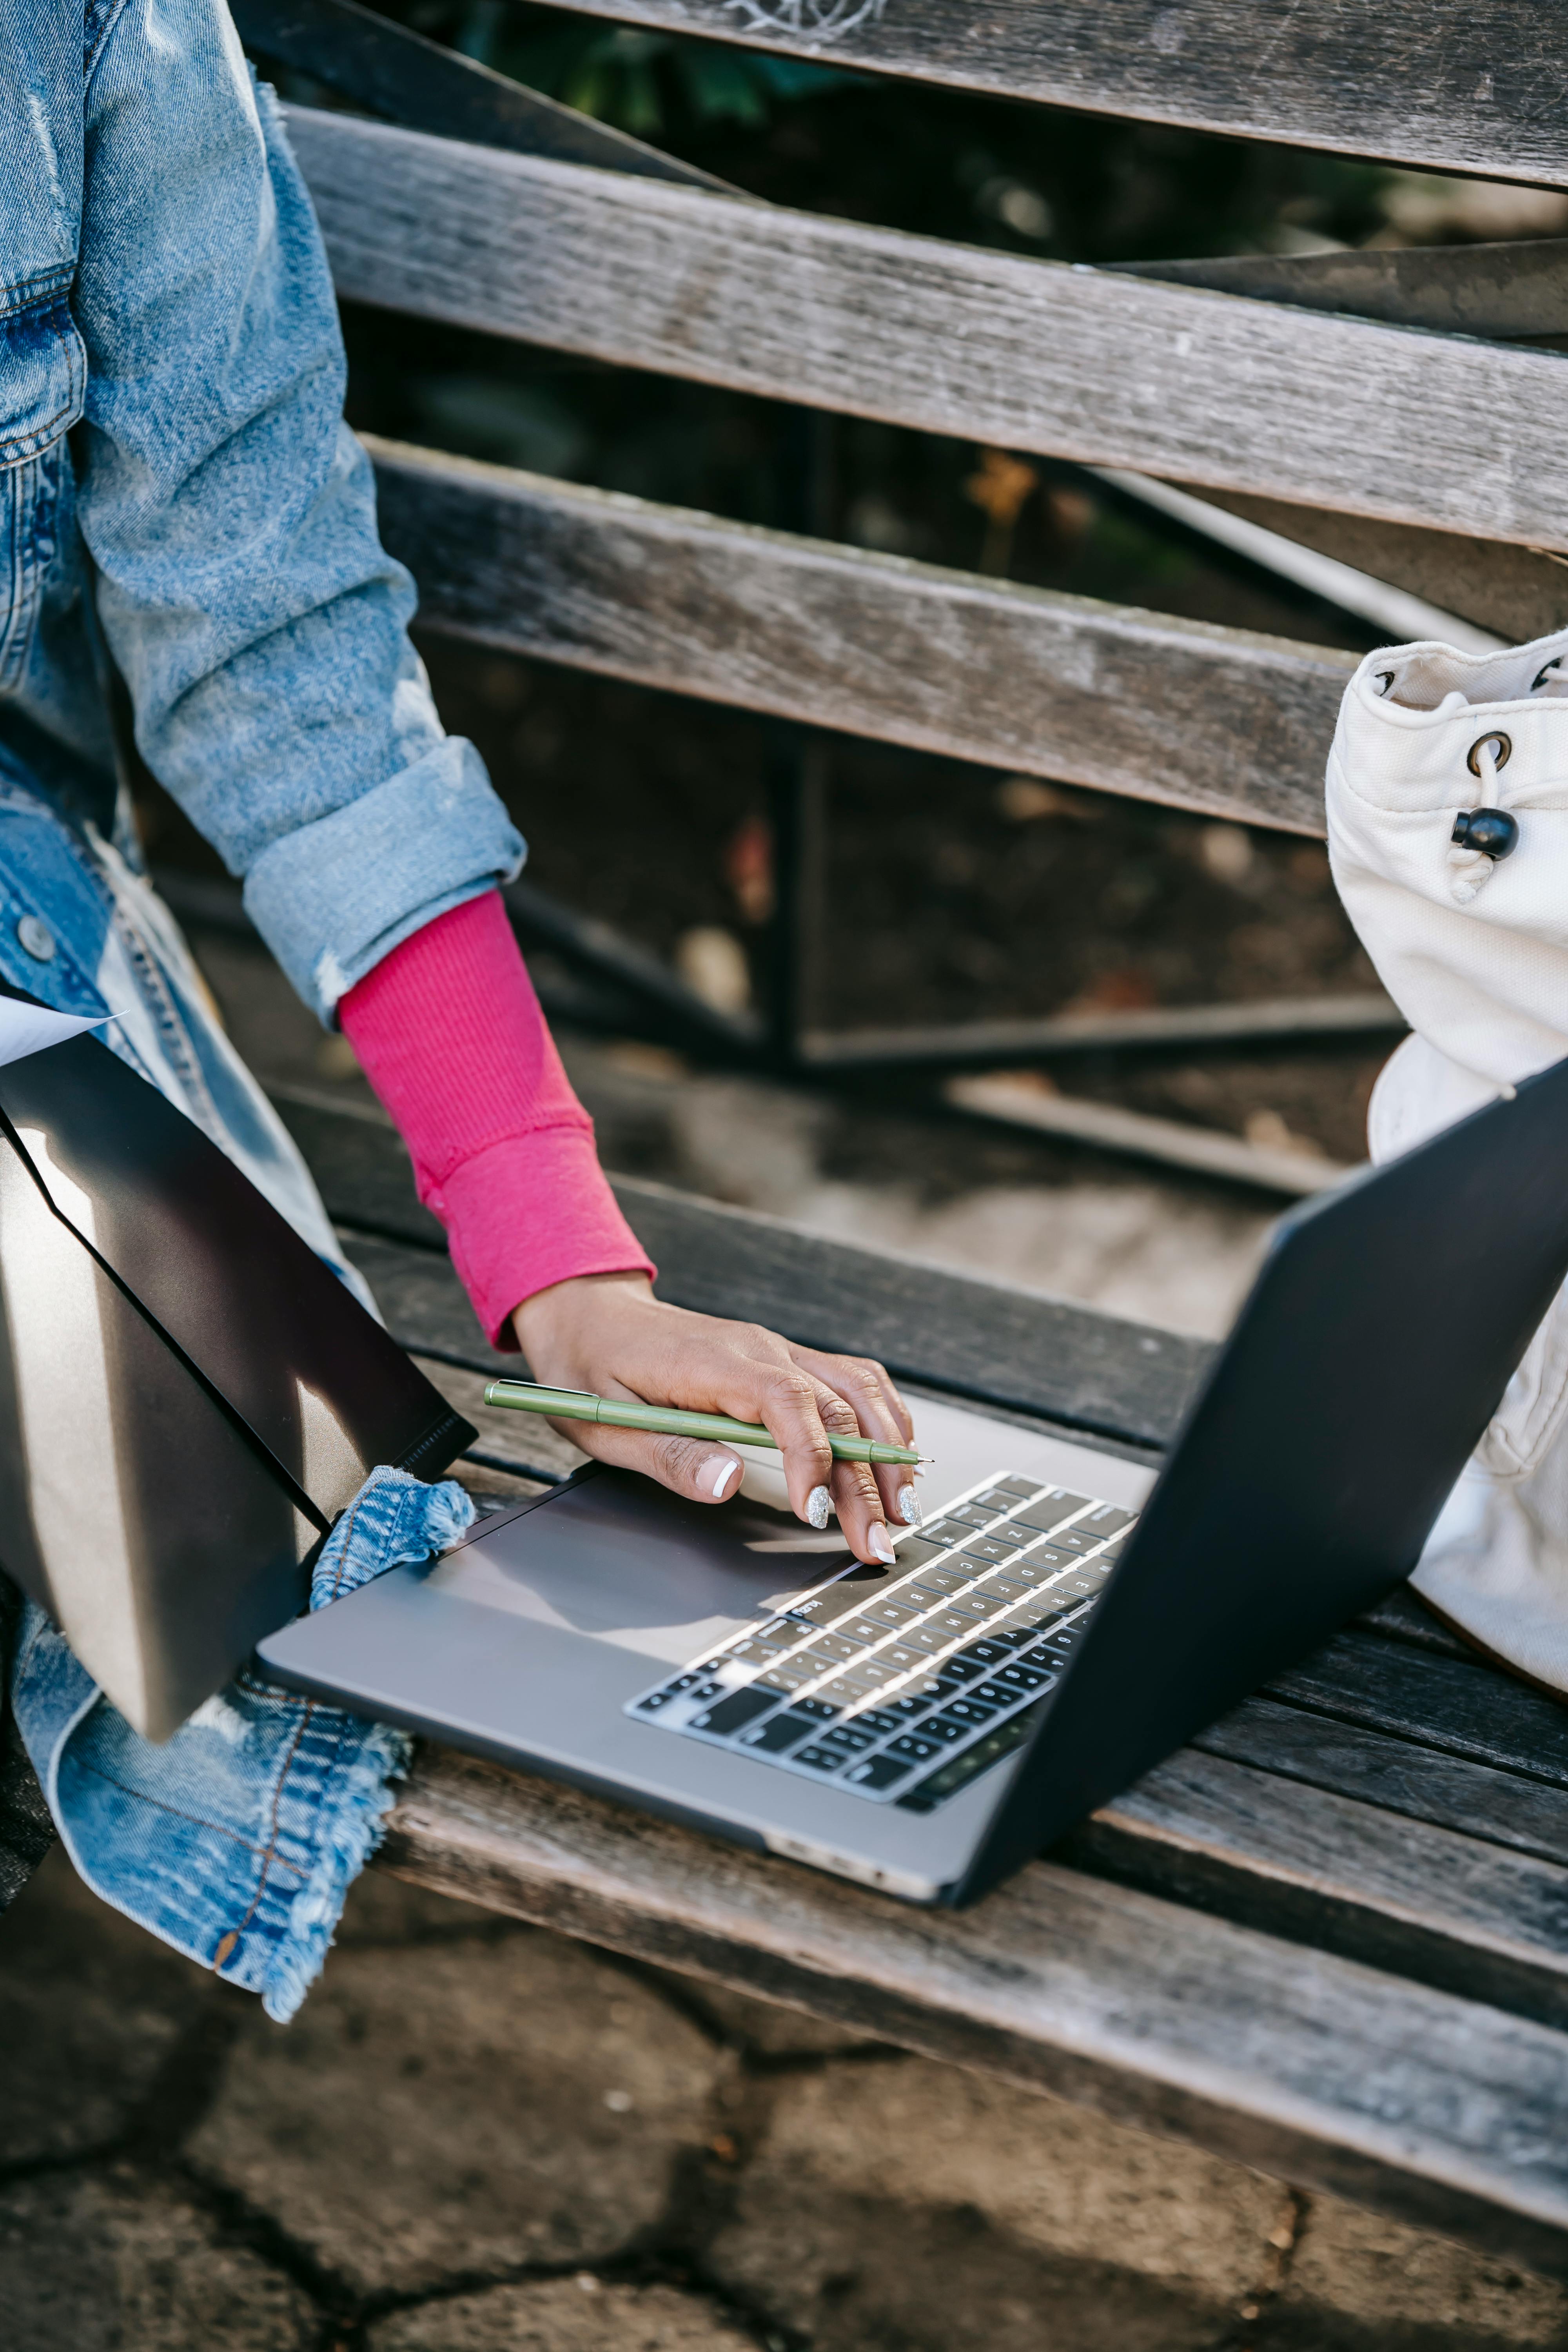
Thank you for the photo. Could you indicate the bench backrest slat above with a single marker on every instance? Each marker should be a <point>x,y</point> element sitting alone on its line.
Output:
<point>1201,717</point>
<point>1461,88</point>
<point>1106,369</point>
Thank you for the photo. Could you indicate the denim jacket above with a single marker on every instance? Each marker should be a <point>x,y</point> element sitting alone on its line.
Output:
<point>173,454</point>
<point>171,393</point>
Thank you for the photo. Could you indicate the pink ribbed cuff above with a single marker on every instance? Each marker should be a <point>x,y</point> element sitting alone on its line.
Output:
<point>550,1182</point>
<point>450,1034</point>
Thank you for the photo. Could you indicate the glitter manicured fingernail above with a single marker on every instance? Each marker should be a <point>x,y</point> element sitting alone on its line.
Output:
<point>909,1506</point>
<point>881,1542</point>
<point>819,1503</point>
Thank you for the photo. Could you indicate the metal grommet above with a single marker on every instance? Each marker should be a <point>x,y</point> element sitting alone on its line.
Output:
<point>1504,749</point>
<point>1544,672</point>
<point>1385,678</point>
<point>36,939</point>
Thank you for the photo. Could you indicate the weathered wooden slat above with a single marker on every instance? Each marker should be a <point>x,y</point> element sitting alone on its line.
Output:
<point>1012,1349</point>
<point>1114,371</point>
<point>1463,89</point>
<point>1456,1706</point>
<point>1343,1875</point>
<point>1517,291</point>
<point>1180,711</point>
<point>1182,1029</point>
<point>1418,1783</point>
<point>396,72</point>
<point>1328,2072</point>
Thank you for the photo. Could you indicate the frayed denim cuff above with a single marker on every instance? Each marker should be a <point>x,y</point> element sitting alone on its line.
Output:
<point>236,1841</point>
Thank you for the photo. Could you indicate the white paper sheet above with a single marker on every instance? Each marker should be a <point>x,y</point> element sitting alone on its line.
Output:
<point>29,1028</point>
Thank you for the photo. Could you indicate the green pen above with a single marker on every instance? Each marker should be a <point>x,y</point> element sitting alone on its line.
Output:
<point>664,1420</point>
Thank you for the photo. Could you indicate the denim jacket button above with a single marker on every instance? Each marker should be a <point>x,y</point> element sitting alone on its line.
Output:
<point>36,938</point>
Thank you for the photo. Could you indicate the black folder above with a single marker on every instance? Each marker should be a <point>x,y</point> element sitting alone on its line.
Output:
<point>188,1397</point>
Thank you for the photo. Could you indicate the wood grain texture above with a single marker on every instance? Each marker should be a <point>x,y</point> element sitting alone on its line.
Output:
<point>1343,1875</point>
<point>1116,371</point>
<point>1459,1707</point>
<point>1466,89</point>
<point>1513,292</point>
<point>396,72</point>
<point>1180,711</point>
<point>1417,1783</point>
<point>1444,2110</point>
<point>1011,1349</point>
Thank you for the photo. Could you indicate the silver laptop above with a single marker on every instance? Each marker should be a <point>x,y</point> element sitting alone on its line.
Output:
<point>1063,1620</point>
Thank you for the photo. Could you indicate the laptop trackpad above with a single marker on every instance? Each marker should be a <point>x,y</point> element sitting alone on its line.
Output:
<point>618,1560</point>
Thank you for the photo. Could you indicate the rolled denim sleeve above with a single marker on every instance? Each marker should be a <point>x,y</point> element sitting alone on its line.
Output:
<point>244,591</point>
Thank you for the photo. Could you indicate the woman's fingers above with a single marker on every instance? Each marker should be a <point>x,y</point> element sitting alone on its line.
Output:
<point>610,1335</point>
<point>692,1466</point>
<point>880,1413</point>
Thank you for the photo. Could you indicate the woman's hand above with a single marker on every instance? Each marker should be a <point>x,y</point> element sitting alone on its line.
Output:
<point>608,1333</point>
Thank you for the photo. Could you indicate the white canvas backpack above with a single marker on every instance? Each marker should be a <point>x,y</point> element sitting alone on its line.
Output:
<point>1447,812</point>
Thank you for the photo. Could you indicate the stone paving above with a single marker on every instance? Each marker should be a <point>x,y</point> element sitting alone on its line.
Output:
<point>478,2138</point>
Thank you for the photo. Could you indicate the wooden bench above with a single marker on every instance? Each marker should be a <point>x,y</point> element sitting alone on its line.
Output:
<point>1330,1938</point>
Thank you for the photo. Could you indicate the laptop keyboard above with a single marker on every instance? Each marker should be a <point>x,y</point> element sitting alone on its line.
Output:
<point>902,1684</point>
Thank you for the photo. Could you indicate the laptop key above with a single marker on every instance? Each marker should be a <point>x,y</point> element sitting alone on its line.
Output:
<point>1048,1557</point>
<point>891,1613</point>
<point>914,1746</point>
<point>878,1772</point>
<point>997,1693</point>
<point>830,1650</point>
<point>878,1719</point>
<point>902,1658</point>
<point>914,1551</point>
<point>846,1691</point>
<point>1105,1519</point>
<point>1017,1490</point>
<point>972,1515</point>
<point>968,1710</point>
<point>778,1735</point>
<point>850,1737</point>
<point>939,1581</point>
<point>820,1710</point>
<point>999,1497</point>
<point>982,1654</point>
<point>733,1713</point>
<point>754,1654</point>
<point>1022,1677</point>
<point>986,1551</point>
<point>847,1598</point>
<point>948,1532</point>
<point>1074,1540</point>
<point>792,1673</point>
<point>952,1624</point>
<point>654,1700</point>
<point>943,1728</point>
<point>978,1602</point>
<point>820,1758</point>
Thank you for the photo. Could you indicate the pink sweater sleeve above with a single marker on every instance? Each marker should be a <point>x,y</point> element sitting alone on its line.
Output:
<point>450,1035</point>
